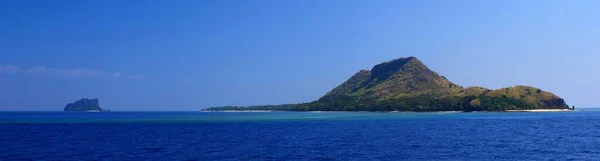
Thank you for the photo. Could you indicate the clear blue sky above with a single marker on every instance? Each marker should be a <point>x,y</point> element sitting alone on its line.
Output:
<point>192,54</point>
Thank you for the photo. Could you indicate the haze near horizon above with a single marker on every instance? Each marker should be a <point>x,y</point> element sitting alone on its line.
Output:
<point>188,55</point>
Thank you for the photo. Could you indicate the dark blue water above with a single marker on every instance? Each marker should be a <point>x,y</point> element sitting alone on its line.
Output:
<point>299,136</point>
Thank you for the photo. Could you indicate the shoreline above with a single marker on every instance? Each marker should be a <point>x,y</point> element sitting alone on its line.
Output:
<point>542,110</point>
<point>242,111</point>
<point>531,110</point>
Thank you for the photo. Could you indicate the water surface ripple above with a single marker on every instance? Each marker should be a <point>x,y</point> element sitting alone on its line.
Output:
<point>299,136</point>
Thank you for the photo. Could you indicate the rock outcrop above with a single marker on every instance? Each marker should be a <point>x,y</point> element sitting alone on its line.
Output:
<point>84,104</point>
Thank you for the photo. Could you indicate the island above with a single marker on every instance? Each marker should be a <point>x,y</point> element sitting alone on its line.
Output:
<point>406,84</point>
<point>84,105</point>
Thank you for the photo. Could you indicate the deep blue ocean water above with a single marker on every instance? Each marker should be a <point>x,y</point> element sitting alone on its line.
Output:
<point>300,136</point>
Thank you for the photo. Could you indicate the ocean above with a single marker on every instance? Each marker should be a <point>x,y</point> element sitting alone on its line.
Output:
<point>300,136</point>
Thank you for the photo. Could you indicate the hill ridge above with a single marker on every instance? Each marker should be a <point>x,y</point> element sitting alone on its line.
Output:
<point>386,80</point>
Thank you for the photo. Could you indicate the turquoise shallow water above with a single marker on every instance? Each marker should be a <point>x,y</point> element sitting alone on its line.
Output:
<point>191,117</point>
<point>300,136</point>
<point>197,117</point>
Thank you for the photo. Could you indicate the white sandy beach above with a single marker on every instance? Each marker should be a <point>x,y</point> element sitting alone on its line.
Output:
<point>542,110</point>
<point>240,111</point>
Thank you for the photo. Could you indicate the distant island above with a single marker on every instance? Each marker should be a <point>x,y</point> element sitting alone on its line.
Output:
<point>406,84</point>
<point>84,105</point>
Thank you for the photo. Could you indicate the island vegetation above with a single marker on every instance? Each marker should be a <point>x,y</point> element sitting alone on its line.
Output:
<point>406,84</point>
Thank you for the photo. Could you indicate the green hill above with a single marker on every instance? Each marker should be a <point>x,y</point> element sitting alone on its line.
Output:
<point>404,77</point>
<point>406,84</point>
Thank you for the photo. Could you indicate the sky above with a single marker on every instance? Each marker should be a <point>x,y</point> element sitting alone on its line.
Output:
<point>185,55</point>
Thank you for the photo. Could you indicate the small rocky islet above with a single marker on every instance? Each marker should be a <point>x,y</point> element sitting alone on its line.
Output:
<point>85,105</point>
